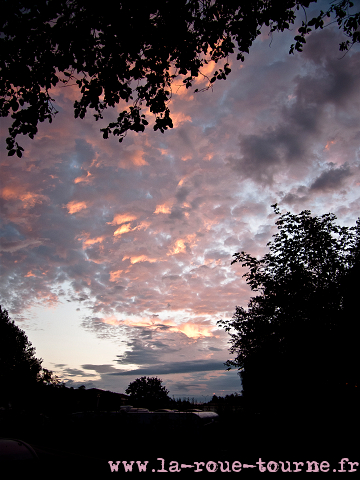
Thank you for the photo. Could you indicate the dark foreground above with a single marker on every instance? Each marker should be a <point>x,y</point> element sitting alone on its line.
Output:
<point>235,444</point>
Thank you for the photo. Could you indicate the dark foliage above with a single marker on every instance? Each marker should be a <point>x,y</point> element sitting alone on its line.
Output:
<point>296,343</point>
<point>19,368</point>
<point>21,374</point>
<point>232,399</point>
<point>148,392</point>
<point>130,53</point>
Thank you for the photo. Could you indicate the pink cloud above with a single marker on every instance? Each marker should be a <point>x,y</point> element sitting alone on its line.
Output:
<point>74,206</point>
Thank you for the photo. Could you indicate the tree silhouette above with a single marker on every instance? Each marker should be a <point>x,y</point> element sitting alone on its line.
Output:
<point>296,343</point>
<point>47,377</point>
<point>20,370</point>
<point>130,53</point>
<point>149,392</point>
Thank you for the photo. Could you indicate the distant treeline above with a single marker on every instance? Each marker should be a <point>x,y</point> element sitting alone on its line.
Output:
<point>51,399</point>
<point>59,399</point>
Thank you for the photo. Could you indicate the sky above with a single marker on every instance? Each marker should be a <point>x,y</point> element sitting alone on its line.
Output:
<point>116,257</point>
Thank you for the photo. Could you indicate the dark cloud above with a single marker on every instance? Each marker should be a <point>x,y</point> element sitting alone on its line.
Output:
<point>197,201</point>
<point>176,367</point>
<point>334,80</point>
<point>176,214</point>
<point>216,254</point>
<point>249,208</point>
<point>182,194</point>
<point>293,198</point>
<point>145,350</point>
<point>99,368</point>
<point>76,372</point>
<point>76,384</point>
<point>331,179</point>
<point>171,277</point>
<point>84,153</point>
<point>265,155</point>
<point>184,387</point>
<point>300,122</point>
<point>230,241</point>
<point>263,234</point>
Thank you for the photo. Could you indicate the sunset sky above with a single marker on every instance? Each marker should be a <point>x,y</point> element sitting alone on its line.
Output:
<point>116,257</point>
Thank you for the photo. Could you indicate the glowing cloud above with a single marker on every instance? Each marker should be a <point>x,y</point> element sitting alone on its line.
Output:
<point>115,274</point>
<point>133,159</point>
<point>49,299</point>
<point>179,247</point>
<point>9,193</point>
<point>179,117</point>
<point>191,330</point>
<point>141,258</point>
<point>328,145</point>
<point>180,244</point>
<point>126,227</point>
<point>92,241</point>
<point>194,330</point>
<point>75,206</point>
<point>123,229</point>
<point>162,209</point>
<point>139,161</point>
<point>182,181</point>
<point>206,71</point>
<point>122,218</point>
<point>142,226</point>
<point>84,178</point>
<point>29,199</point>
<point>30,274</point>
<point>110,321</point>
<point>87,241</point>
